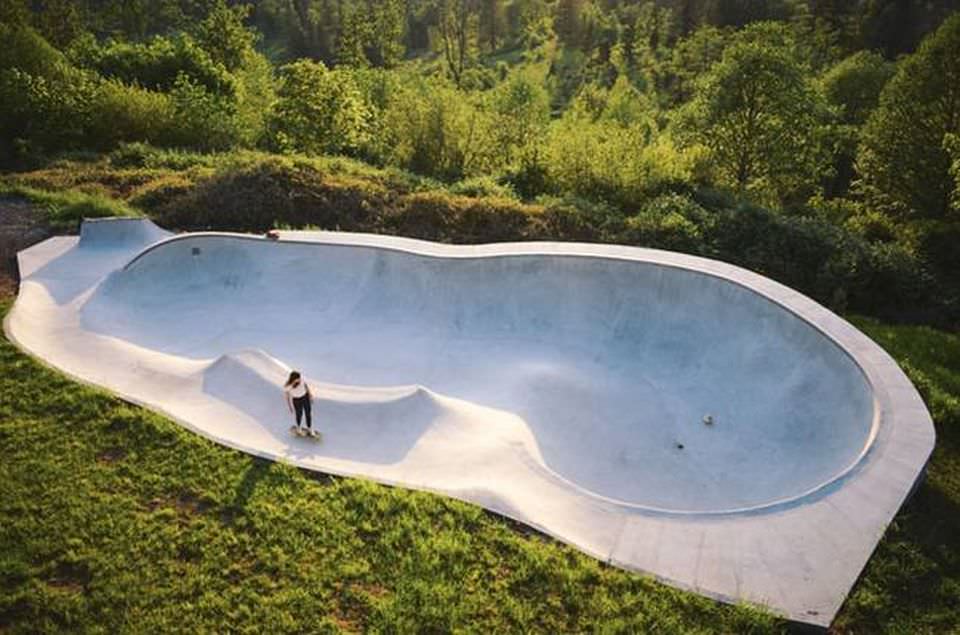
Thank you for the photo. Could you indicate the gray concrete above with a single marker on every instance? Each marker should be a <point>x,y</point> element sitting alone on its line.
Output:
<point>551,382</point>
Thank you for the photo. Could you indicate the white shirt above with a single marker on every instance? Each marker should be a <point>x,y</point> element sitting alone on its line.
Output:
<point>297,390</point>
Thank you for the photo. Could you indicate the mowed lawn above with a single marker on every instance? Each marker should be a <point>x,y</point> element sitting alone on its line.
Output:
<point>115,519</point>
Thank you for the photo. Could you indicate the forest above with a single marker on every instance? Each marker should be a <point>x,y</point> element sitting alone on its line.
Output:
<point>815,141</point>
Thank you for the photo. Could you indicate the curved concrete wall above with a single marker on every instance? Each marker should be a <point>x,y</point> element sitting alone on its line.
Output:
<point>612,363</point>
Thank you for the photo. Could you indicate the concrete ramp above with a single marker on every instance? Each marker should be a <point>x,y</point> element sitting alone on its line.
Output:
<point>668,414</point>
<point>119,233</point>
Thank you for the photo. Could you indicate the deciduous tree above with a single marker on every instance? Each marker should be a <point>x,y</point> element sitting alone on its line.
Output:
<point>903,161</point>
<point>759,115</point>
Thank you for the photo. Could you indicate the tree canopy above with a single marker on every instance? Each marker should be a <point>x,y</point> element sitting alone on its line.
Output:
<point>903,159</point>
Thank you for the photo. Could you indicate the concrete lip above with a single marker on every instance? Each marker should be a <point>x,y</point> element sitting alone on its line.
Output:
<point>665,413</point>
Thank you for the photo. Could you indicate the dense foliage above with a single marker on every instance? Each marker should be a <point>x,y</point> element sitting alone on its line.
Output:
<point>781,118</point>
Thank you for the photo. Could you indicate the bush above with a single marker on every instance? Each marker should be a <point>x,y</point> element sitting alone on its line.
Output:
<point>482,186</point>
<point>445,218</point>
<point>260,194</point>
<point>671,222</point>
<point>142,155</point>
<point>26,50</point>
<point>318,111</point>
<point>205,120</point>
<point>159,193</point>
<point>156,65</point>
<point>40,115</point>
<point>121,113</point>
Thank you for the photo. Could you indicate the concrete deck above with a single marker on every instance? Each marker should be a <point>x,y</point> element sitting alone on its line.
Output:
<point>564,385</point>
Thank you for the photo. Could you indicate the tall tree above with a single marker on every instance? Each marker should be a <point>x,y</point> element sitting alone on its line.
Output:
<point>456,24</point>
<point>224,36</point>
<point>491,23</point>
<point>852,87</point>
<point>14,12</point>
<point>59,21</point>
<point>902,159</point>
<point>314,26</point>
<point>355,33</point>
<point>387,32</point>
<point>759,115</point>
<point>568,22</point>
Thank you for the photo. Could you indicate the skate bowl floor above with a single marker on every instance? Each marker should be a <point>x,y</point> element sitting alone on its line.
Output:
<point>668,414</point>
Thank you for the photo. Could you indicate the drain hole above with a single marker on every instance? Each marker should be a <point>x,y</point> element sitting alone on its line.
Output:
<point>195,251</point>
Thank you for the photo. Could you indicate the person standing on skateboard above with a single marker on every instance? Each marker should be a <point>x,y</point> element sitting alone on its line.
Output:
<point>298,398</point>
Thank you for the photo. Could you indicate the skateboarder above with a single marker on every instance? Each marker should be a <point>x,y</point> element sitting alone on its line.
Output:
<point>298,398</point>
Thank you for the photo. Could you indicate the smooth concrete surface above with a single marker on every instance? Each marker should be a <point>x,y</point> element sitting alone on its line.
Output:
<point>564,385</point>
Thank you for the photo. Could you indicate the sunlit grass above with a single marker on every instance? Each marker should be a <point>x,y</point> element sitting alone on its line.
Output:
<point>115,519</point>
<point>64,209</point>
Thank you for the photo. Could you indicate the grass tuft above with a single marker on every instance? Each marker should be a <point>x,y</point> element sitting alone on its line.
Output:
<point>66,208</point>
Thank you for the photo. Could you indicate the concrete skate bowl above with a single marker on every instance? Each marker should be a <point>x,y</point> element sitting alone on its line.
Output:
<point>662,412</point>
<point>612,364</point>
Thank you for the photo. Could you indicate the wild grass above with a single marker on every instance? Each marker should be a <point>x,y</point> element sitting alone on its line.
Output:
<point>115,519</point>
<point>912,583</point>
<point>64,209</point>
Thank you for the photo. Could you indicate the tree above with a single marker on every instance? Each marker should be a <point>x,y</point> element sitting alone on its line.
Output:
<point>952,144</point>
<point>491,23</point>
<point>456,23</point>
<point>354,34</point>
<point>440,131</point>
<point>759,116</point>
<point>522,107</point>
<point>59,21</point>
<point>692,57</point>
<point>653,33</point>
<point>902,160</point>
<point>567,22</point>
<point>223,35</point>
<point>318,111</point>
<point>854,85</point>
<point>313,27</point>
<point>852,88</point>
<point>14,12</point>
<point>389,25</point>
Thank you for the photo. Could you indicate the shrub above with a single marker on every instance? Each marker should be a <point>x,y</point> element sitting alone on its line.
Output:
<point>121,113</point>
<point>142,155</point>
<point>318,111</point>
<point>41,115</point>
<point>26,50</point>
<point>432,128</point>
<point>442,217</point>
<point>481,187</point>
<point>671,222</point>
<point>157,64</point>
<point>257,195</point>
<point>204,120</point>
<point>159,193</point>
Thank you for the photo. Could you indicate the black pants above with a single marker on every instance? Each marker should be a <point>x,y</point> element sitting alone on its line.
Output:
<point>301,405</point>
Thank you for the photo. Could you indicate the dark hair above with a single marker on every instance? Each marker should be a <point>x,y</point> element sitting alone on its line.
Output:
<point>294,376</point>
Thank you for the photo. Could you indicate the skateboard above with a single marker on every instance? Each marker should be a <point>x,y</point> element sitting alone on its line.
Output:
<point>316,436</point>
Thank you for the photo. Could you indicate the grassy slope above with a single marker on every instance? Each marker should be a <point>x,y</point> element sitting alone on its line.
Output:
<point>117,519</point>
<point>912,583</point>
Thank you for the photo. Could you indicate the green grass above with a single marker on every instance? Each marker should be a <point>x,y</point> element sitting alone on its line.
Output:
<point>116,519</point>
<point>63,209</point>
<point>912,583</point>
